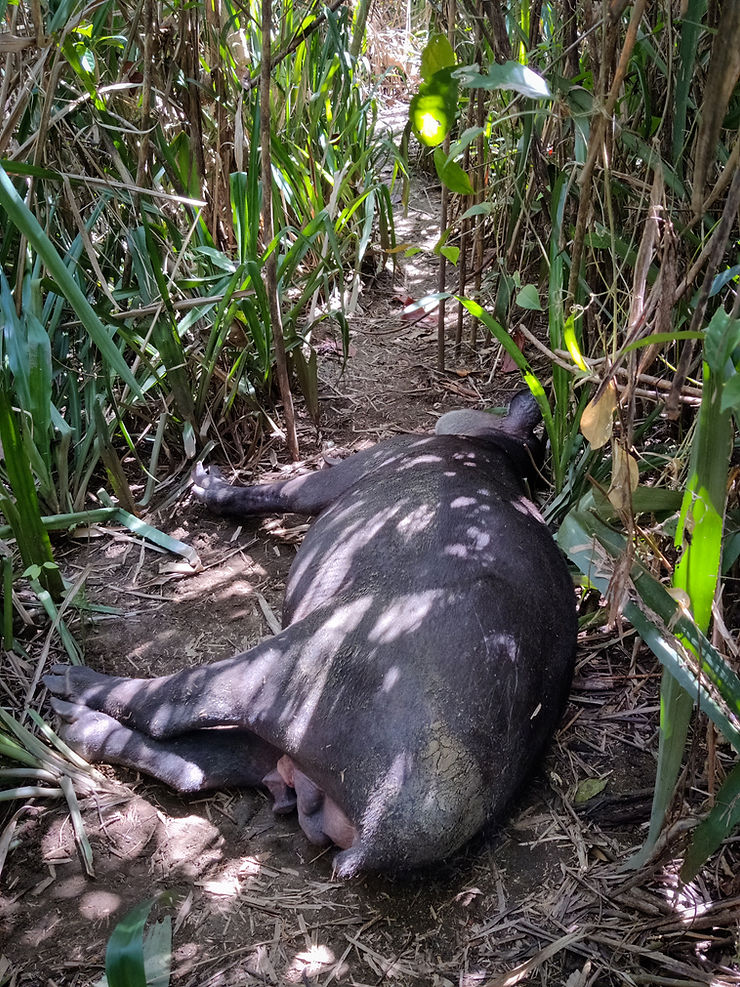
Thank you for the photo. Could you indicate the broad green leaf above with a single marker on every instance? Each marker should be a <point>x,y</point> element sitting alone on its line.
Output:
<point>722,339</point>
<point>723,278</point>
<point>451,253</point>
<point>451,174</point>
<point>511,75</point>
<point>731,395</point>
<point>124,957</point>
<point>529,298</point>
<point>437,55</point>
<point>482,209</point>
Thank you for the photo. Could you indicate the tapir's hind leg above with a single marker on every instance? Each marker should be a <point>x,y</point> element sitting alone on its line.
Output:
<point>262,690</point>
<point>193,762</point>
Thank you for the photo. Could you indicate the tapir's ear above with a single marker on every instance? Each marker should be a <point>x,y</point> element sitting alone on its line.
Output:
<point>520,422</point>
<point>523,418</point>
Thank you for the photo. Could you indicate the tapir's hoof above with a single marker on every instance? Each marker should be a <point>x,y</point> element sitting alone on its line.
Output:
<point>86,731</point>
<point>72,681</point>
<point>209,486</point>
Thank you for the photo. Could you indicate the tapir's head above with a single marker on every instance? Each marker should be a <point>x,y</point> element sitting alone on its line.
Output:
<point>514,431</point>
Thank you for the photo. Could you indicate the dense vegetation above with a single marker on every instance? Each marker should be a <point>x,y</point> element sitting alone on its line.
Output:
<point>589,162</point>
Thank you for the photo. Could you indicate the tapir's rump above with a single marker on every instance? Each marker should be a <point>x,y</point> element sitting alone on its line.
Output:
<point>425,660</point>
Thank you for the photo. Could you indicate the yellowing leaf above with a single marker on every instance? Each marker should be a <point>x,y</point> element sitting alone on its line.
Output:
<point>597,418</point>
<point>625,477</point>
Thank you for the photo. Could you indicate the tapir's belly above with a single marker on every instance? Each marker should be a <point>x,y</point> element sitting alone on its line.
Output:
<point>438,667</point>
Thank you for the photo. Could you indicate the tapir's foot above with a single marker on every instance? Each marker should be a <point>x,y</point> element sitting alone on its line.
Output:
<point>79,684</point>
<point>98,737</point>
<point>136,703</point>
<point>210,488</point>
<point>90,733</point>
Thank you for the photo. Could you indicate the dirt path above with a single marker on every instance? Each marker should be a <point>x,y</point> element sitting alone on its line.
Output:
<point>543,899</point>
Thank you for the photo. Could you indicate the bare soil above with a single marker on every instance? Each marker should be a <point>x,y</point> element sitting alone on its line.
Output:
<point>543,899</point>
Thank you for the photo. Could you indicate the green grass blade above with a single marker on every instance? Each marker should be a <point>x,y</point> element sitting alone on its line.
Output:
<point>25,221</point>
<point>124,957</point>
<point>31,536</point>
<point>718,825</point>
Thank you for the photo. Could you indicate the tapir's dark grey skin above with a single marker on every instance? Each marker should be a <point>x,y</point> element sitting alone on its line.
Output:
<point>427,652</point>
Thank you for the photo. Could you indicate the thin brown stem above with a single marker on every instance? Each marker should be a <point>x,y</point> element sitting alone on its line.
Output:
<point>270,269</point>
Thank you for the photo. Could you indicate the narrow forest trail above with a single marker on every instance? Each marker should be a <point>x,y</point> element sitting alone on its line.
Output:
<point>253,902</point>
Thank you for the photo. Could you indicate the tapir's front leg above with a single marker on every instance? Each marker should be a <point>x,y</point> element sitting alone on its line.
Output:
<point>310,493</point>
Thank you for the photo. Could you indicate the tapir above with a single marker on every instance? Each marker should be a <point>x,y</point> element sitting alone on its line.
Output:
<point>426,656</point>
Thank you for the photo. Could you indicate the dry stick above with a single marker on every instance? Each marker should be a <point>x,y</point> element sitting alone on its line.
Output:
<point>481,22</point>
<point>146,98</point>
<point>213,17</point>
<point>270,275</point>
<point>594,147</point>
<point>719,242</point>
<point>723,181</point>
<point>11,59</point>
<point>645,253</point>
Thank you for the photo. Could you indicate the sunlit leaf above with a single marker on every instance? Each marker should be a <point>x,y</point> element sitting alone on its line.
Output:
<point>511,75</point>
<point>433,109</point>
<point>437,55</point>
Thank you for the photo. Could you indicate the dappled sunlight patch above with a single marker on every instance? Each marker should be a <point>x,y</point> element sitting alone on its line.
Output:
<point>689,901</point>
<point>404,616</point>
<point>310,962</point>
<point>233,877</point>
<point>98,904</point>
<point>390,678</point>
<point>526,507</point>
<point>192,843</point>
<point>417,521</point>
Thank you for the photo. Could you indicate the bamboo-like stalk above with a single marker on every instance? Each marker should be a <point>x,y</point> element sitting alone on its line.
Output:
<point>444,206</point>
<point>465,231</point>
<point>732,204</point>
<point>270,268</point>
<point>596,140</point>
<point>478,198</point>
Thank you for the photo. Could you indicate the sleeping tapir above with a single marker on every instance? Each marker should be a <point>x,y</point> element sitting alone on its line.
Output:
<point>426,657</point>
